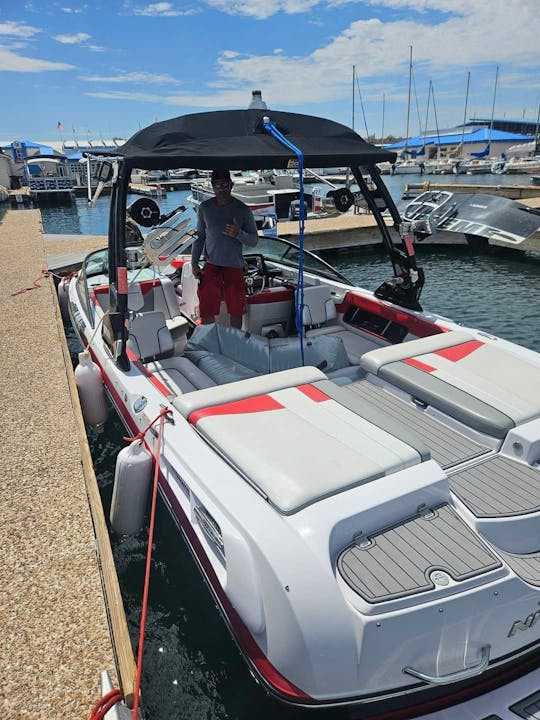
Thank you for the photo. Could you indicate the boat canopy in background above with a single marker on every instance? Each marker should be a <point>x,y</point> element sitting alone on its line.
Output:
<point>236,140</point>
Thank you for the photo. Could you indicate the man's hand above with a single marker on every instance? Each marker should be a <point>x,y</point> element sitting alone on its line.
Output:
<point>232,229</point>
<point>196,270</point>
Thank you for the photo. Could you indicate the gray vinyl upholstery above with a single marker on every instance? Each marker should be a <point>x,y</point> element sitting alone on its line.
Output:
<point>149,337</point>
<point>448,399</point>
<point>226,354</point>
<point>479,381</point>
<point>324,447</point>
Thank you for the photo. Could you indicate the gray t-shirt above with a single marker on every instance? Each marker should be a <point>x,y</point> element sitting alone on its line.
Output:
<point>220,249</point>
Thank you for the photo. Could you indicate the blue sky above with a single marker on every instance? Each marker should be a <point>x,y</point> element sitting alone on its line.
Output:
<point>108,68</point>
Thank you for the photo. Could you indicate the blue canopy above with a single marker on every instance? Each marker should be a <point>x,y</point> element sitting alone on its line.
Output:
<point>26,145</point>
<point>454,137</point>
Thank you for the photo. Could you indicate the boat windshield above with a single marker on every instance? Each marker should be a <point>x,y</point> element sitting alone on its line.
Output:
<point>287,253</point>
<point>282,251</point>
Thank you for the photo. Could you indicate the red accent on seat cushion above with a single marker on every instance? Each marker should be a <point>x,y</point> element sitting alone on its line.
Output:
<point>259,403</point>
<point>313,393</point>
<point>419,365</point>
<point>458,352</point>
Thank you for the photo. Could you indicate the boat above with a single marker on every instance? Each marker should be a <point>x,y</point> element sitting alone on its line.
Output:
<point>356,477</point>
<point>268,192</point>
<point>481,219</point>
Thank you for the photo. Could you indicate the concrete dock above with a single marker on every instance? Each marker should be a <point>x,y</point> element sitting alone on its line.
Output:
<point>513,192</point>
<point>60,610</point>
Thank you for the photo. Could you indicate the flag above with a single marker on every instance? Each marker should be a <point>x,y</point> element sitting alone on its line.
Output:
<point>59,126</point>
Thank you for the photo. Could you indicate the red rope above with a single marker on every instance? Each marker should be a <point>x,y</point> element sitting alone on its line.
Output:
<point>104,704</point>
<point>141,434</point>
<point>142,628</point>
<point>43,274</point>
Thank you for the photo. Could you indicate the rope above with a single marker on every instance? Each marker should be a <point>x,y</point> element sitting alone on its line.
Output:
<point>35,283</point>
<point>104,704</point>
<point>140,436</point>
<point>42,275</point>
<point>270,128</point>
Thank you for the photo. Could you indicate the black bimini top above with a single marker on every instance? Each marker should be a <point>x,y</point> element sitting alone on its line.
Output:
<point>236,140</point>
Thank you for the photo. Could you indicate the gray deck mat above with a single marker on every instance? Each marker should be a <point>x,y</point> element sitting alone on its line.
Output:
<point>448,447</point>
<point>527,567</point>
<point>498,487</point>
<point>398,562</point>
<point>528,708</point>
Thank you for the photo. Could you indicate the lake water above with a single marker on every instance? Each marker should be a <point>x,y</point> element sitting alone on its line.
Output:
<point>192,668</point>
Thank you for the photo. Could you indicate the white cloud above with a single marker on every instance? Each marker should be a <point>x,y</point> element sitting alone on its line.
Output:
<point>121,95</point>
<point>164,9</point>
<point>133,77</point>
<point>74,11</point>
<point>75,39</point>
<point>448,36</point>
<point>11,62</point>
<point>18,29</point>
<point>380,50</point>
<point>262,9</point>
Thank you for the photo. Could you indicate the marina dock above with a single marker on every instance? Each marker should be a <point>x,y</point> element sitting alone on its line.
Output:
<point>513,192</point>
<point>334,231</point>
<point>62,615</point>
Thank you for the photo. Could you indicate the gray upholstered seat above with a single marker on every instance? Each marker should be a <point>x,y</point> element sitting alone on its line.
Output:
<point>149,337</point>
<point>478,382</point>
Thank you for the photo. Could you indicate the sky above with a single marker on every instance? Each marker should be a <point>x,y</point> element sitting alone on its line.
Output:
<point>102,69</point>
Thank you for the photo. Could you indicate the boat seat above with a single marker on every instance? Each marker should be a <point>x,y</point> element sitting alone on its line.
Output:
<point>319,317</point>
<point>324,447</point>
<point>149,338</point>
<point>227,354</point>
<point>477,382</point>
<point>179,375</point>
<point>159,295</point>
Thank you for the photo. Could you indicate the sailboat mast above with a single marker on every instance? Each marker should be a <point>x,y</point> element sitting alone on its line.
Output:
<point>409,98</point>
<point>465,112</point>
<point>382,130</point>
<point>353,91</point>
<point>493,105</point>
<point>536,145</point>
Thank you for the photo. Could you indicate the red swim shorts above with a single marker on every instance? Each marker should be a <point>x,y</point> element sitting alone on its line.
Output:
<point>222,283</point>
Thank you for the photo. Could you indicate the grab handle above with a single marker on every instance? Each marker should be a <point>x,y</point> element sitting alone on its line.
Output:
<point>455,676</point>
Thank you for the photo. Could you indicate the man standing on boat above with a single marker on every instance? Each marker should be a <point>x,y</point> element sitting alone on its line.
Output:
<point>225,224</point>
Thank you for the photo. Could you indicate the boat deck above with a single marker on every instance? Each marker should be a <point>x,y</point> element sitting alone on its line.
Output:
<point>56,637</point>
<point>448,447</point>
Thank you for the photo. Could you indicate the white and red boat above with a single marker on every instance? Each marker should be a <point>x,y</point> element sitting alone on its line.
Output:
<point>360,488</point>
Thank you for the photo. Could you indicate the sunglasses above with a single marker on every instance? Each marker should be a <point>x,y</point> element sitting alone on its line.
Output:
<point>221,183</point>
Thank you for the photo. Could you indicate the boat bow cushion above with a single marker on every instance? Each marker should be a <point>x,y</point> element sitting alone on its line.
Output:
<point>474,381</point>
<point>319,447</point>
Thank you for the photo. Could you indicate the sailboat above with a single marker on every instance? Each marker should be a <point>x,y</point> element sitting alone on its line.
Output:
<point>408,165</point>
<point>481,164</point>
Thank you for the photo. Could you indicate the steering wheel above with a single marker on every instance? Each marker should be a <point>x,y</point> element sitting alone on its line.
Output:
<point>255,273</point>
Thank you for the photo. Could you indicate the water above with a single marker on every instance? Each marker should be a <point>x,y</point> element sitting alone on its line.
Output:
<point>78,218</point>
<point>192,668</point>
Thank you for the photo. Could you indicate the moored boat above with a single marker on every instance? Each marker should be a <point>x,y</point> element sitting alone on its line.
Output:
<point>345,442</point>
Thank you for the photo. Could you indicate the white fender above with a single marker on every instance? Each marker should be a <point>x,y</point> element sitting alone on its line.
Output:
<point>91,391</point>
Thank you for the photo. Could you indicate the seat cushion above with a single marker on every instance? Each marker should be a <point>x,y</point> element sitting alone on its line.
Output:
<point>319,447</point>
<point>319,306</point>
<point>246,388</point>
<point>478,382</point>
<point>179,375</point>
<point>149,337</point>
<point>325,352</point>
